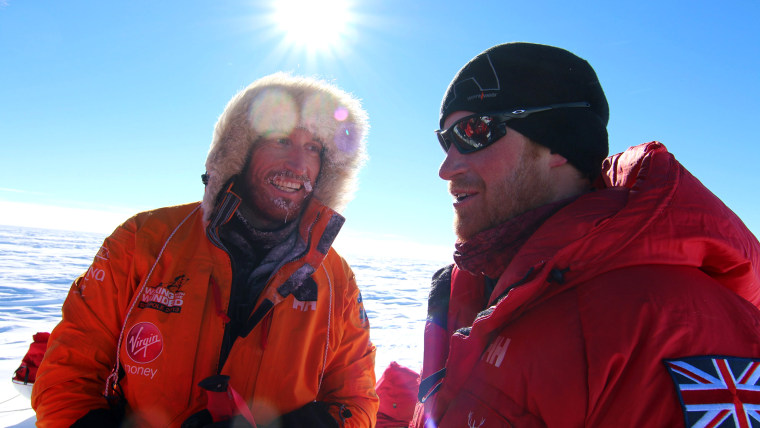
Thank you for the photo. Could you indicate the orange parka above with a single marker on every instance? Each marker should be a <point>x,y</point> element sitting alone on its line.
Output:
<point>157,294</point>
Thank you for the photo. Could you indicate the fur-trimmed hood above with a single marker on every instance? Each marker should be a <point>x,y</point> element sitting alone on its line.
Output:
<point>275,105</point>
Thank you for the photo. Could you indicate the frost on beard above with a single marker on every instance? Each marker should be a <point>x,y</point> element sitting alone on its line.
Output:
<point>284,205</point>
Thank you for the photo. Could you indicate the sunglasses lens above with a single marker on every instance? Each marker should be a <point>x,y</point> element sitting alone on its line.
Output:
<point>472,134</point>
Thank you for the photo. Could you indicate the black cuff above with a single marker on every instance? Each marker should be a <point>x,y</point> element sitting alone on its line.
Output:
<point>312,415</point>
<point>102,418</point>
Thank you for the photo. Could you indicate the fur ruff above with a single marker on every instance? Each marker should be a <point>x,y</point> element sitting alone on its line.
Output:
<point>275,105</point>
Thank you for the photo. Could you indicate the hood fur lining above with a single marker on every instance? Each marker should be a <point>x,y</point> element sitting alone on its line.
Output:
<point>275,105</point>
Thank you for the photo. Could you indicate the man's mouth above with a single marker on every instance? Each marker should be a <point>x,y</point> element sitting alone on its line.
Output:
<point>462,190</point>
<point>459,197</point>
<point>286,185</point>
<point>289,184</point>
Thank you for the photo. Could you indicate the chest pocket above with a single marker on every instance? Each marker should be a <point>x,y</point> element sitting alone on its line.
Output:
<point>168,342</point>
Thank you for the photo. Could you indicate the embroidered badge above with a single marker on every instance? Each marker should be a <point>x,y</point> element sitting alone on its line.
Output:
<point>363,319</point>
<point>165,297</point>
<point>717,391</point>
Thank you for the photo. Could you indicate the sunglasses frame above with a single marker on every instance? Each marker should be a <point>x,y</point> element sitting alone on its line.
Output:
<point>498,123</point>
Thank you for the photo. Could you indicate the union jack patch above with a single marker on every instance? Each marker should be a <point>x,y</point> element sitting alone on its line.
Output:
<point>718,391</point>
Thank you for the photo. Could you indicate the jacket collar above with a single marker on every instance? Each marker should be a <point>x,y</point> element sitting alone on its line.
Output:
<point>318,226</point>
<point>490,252</point>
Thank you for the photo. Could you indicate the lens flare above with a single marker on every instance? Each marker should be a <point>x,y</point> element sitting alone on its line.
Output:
<point>317,110</point>
<point>345,138</point>
<point>341,114</point>
<point>274,113</point>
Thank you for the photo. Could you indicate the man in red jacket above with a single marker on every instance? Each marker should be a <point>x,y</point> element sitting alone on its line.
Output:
<point>586,291</point>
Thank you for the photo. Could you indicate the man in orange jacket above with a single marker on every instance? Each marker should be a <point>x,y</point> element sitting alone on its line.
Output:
<point>586,291</point>
<point>232,311</point>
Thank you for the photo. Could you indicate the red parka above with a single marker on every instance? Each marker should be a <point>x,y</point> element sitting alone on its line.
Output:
<point>612,314</point>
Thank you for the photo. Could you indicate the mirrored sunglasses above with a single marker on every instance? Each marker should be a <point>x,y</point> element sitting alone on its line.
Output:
<point>478,131</point>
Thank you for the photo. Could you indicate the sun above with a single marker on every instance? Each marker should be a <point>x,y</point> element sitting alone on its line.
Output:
<point>313,24</point>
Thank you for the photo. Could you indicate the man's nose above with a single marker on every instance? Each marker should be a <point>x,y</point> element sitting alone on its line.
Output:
<point>296,160</point>
<point>453,165</point>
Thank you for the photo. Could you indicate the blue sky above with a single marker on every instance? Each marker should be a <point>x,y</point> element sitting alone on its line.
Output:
<point>107,107</point>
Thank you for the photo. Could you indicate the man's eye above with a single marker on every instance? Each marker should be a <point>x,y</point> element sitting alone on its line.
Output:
<point>283,141</point>
<point>315,148</point>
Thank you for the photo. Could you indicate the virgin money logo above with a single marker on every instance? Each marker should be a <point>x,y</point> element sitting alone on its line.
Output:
<point>144,342</point>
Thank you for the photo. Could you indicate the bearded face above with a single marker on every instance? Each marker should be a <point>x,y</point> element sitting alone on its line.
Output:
<point>279,179</point>
<point>495,184</point>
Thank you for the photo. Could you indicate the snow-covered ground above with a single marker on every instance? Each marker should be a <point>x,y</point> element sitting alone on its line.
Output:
<point>38,265</point>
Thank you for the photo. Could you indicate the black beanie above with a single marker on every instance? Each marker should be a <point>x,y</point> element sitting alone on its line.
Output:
<point>514,76</point>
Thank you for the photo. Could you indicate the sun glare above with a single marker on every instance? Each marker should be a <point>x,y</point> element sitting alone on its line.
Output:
<point>314,25</point>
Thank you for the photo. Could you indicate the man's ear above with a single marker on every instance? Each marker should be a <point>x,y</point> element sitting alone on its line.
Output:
<point>556,160</point>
